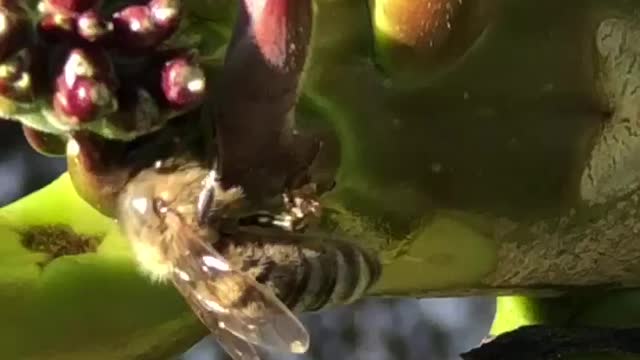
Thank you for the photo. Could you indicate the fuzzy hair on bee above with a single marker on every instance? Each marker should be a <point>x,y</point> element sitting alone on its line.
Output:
<point>243,282</point>
<point>140,205</point>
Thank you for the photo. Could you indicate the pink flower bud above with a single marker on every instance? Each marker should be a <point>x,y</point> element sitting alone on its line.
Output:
<point>92,27</point>
<point>81,102</point>
<point>139,27</point>
<point>183,82</point>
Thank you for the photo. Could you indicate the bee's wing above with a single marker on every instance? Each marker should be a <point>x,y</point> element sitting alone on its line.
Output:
<point>231,300</point>
<point>236,347</point>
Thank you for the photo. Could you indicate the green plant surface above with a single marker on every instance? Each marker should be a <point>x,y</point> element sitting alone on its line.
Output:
<point>470,174</point>
<point>513,312</point>
<point>88,306</point>
<point>609,309</point>
<point>470,178</point>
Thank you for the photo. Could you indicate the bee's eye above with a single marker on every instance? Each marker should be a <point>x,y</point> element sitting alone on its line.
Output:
<point>160,207</point>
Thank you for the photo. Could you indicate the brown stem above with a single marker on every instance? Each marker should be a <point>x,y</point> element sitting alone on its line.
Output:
<point>258,146</point>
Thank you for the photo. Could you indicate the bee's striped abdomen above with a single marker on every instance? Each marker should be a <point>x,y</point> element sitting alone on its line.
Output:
<point>338,273</point>
<point>307,273</point>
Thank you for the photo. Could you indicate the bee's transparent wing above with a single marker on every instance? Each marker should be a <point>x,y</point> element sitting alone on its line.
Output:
<point>236,347</point>
<point>231,300</point>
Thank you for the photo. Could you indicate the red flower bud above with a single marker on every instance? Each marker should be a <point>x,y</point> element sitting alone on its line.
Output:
<point>80,102</point>
<point>139,27</point>
<point>92,27</point>
<point>183,82</point>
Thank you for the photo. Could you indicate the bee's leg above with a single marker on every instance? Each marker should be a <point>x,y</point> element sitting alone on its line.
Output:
<point>261,219</point>
<point>302,206</point>
<point>283,221</point>
<point>298,209</point>
<point>298,213</point>
<point>206,197</point>
<point>205,200</point>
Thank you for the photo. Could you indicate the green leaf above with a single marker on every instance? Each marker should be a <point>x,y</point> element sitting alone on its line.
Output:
<point>94,305</point>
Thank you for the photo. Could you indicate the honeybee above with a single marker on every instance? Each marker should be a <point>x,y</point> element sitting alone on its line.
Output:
<point>240,273</point>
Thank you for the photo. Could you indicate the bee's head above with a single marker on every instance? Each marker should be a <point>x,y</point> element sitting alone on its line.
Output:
<point>154,197</point>
<point>158,196</point>
<point>153,209</point>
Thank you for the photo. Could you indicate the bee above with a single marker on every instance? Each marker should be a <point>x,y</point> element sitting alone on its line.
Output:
<point>242,275</point>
